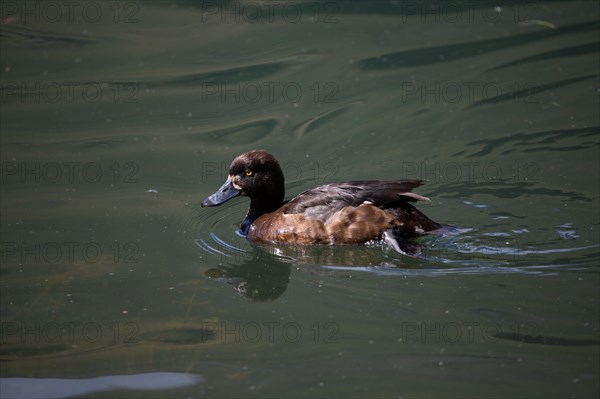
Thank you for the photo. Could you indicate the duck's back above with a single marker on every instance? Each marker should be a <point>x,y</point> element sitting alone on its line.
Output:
<point>346,213</point>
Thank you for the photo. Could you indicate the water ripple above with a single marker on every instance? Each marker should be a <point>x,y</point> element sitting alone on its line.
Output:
<point>470,270</point>
<point>529,91</point>
<point>551,55</point>
<point>434,55</point>
<point>245,134</point>
<point>461,251</point>
<point>231,75</point>
<point>529,140</point>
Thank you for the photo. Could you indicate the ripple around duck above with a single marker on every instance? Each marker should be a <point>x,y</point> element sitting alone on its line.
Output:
<point>212,232</point>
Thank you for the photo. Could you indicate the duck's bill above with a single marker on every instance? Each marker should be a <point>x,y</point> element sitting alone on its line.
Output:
<point>223,194</point>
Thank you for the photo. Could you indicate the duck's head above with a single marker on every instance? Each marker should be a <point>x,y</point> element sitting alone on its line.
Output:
<point>255,174</point>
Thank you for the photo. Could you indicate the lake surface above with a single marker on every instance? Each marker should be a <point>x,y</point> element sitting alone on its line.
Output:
<point>118,118</point>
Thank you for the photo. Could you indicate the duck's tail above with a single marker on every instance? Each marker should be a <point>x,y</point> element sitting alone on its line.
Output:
<point>412,223</point>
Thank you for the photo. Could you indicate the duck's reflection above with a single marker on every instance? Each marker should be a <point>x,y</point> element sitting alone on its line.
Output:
<point>262,272</point>
<point>259,276</point>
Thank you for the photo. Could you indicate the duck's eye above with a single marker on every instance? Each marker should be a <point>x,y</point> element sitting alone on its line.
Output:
<point>248,172</point>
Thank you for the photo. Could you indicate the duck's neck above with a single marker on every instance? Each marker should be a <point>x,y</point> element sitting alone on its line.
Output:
<point>260,206</point>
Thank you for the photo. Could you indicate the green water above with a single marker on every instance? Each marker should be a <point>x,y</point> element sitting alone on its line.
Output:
<point>118,118</point>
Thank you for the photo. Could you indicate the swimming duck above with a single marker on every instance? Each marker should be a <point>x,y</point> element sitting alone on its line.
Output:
<point>352,212</point>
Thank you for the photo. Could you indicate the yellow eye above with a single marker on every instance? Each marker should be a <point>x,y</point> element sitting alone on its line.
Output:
<point>248,172</point>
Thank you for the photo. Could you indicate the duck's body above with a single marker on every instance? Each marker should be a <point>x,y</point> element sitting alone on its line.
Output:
<point>352,212</point>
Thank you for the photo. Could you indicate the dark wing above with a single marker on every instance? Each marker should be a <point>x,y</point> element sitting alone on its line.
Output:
<point>383,193</point>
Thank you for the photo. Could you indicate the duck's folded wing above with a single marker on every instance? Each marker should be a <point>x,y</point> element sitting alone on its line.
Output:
<point>353,193</point>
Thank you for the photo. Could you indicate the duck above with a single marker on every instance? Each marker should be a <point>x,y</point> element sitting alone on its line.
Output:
<point>351,212</point>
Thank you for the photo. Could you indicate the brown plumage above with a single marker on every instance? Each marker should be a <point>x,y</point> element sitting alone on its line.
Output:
<point>351,212</point>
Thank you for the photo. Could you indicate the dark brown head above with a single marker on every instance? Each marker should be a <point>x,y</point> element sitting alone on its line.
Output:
<point>255,174</point>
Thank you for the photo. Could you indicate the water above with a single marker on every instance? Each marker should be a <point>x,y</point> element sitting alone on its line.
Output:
<point>118,119</point>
